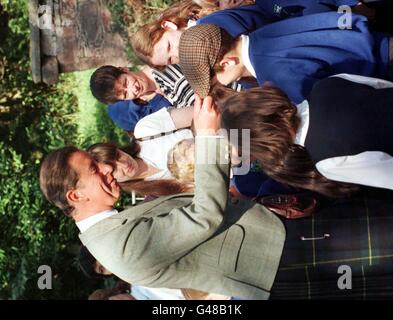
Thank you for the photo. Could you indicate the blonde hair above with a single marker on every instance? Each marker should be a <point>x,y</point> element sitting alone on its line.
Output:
<point>181,161</point>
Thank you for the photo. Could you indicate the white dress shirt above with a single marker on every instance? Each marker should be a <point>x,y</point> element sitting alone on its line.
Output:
<point>245,55</point>
<point>85,224</point>
<point>146,293</point>
<point>370,168</point>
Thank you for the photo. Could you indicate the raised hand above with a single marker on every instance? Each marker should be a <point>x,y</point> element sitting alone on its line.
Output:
<point>206,116</point>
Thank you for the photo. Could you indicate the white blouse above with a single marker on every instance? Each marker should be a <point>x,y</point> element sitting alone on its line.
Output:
<point>155,151</point>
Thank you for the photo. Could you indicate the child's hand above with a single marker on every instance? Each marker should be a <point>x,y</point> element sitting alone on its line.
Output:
<point>206,116</point>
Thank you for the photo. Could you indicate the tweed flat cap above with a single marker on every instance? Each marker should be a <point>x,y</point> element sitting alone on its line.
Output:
<point>198,51</point>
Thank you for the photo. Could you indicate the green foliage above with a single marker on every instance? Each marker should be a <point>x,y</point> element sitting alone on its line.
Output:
<point>129,15</point>
<point>35,119</point>
<point>94,124</point>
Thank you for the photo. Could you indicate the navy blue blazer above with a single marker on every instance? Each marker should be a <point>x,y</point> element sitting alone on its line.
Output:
<point>246,19</point>
<point>126,113</point>
<point>295,53</point>
<point>237,21</point>
<point>283,9</point>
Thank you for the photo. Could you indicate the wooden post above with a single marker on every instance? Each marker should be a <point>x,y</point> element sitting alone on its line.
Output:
<point>35,51</point>
<point>76,36</point>
<point>50,70</point>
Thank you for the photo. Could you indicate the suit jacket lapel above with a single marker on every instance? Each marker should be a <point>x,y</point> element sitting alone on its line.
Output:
<point>132,213</point>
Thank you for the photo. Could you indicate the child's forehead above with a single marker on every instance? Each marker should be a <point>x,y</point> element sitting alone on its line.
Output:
<point>124,76</point>
<point>120,81</point>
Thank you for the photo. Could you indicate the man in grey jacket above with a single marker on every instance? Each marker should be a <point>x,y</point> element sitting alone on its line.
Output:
<point>205,242</point>
<point>200,241</point>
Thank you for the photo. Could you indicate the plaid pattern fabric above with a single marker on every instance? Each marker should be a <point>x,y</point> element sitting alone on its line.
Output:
<point>357,233</point>
<point>198,50</point>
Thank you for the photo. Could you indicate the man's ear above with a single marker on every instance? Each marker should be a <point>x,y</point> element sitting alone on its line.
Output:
<point>228,62</point>
<point>75,196</point>
<point>168,25</point>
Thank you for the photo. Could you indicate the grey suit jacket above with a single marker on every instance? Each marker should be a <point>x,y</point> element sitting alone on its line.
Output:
<point>200,241</point>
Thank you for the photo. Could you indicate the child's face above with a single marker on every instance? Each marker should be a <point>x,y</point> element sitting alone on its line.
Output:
<point>166,50</point>
<point>127,168</point>
<point>130,86</point>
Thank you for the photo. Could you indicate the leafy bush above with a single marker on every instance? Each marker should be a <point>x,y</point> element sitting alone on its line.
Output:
<point>34,119</point>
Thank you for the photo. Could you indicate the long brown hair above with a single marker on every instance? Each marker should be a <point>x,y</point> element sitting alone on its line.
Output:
<point>210,6</point>
<point>148,35</point>
<point>273,122</point>
<point>109,153</point>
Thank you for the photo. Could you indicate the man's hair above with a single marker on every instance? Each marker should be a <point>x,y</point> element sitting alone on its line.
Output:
<point>57,177</point>
<point>102,83</point>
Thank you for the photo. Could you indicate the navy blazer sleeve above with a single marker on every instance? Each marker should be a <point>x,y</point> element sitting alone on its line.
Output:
<point>284,9</point>
<point>295,53</point>
<point>126,113</point>
<point>237,21</point>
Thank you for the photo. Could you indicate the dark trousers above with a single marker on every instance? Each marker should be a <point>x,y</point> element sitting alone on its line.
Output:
<point>357,233</point>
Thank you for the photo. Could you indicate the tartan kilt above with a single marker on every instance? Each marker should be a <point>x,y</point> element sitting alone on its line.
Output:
<point>357,233</point>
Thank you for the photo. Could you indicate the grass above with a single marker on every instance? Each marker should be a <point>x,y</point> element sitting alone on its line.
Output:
<point>94,124</point>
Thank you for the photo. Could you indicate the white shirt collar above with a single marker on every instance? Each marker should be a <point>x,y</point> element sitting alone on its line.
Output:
<point>191,23</point>
<point>246,56</point>
<point>304,115</point>
<point>85,224</point>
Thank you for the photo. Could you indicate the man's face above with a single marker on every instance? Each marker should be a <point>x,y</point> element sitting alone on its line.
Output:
<point>96,183</point>
<point>130,86</point>
<point>166,50</point>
